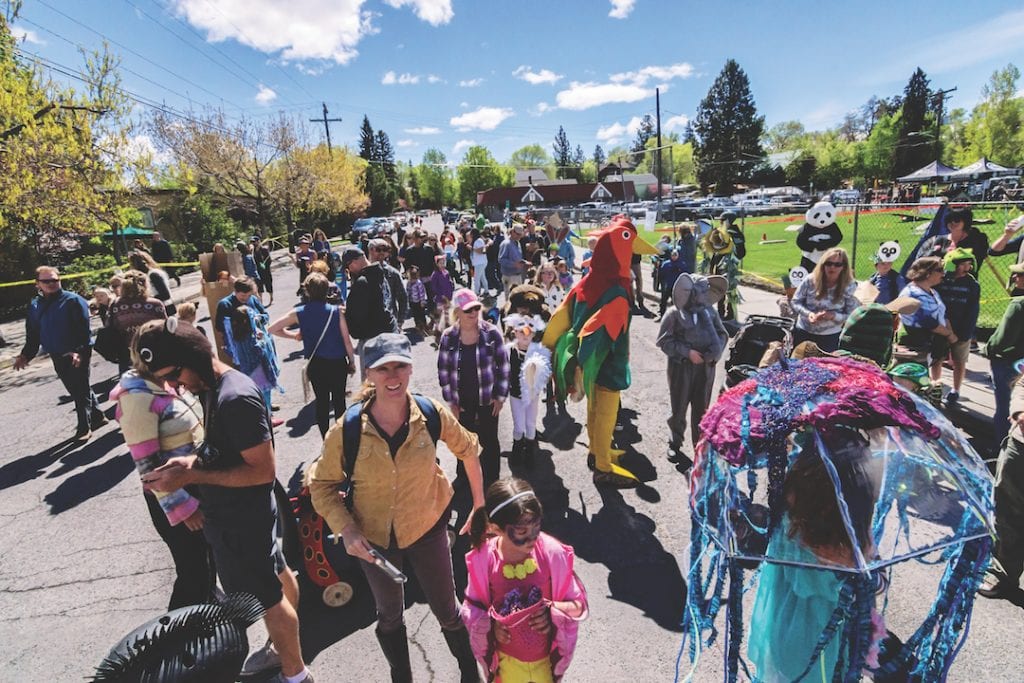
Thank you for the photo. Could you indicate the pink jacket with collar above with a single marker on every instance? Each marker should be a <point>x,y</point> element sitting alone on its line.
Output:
<point>558,558</point>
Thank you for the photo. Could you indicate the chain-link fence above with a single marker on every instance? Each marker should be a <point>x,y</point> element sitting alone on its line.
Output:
<point>772,250</point>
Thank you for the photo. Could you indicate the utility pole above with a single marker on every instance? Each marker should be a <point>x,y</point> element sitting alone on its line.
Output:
<point>327,128</point>
<point>657,117</point>
<point>940,98</point>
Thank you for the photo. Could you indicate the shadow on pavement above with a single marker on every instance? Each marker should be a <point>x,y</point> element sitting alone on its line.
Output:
<point>89,453</point>
<point>92,482</point>
<point>302,422</point>
<point>641,572</point>
<point>29,467</point>
<point>560,429</point>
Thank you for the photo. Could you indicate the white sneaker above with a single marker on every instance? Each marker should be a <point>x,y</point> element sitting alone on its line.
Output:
<point>261,661</point>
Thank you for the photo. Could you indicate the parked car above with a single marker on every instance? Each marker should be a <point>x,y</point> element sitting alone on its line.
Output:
<point>363,226</point>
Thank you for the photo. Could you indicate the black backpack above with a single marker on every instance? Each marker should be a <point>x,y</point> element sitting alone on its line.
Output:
<point>352,434</point>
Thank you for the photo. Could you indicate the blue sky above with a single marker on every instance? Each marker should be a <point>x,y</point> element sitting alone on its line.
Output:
<point>449,73</point>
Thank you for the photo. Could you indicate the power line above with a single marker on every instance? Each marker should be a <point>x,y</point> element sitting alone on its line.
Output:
<point>128,70</point>
<point>139,99</point>
<point>252,42</point>
<point>255,82</point>
<point>126,48</point>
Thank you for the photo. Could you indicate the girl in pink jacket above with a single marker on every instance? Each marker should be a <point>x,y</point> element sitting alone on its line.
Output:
<point>524,601</point>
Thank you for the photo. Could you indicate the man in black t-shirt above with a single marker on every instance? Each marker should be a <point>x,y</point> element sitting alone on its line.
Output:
<point>235,473</point>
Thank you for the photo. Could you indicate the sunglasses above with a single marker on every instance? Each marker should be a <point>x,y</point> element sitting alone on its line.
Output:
<point>834,264</point>
<point>48,280</point>
<point>173,376</point>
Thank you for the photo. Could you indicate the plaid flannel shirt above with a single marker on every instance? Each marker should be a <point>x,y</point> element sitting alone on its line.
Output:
<point>492,365</point>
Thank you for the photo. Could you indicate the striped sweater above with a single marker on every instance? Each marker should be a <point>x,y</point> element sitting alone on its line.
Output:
<point>158,424</point>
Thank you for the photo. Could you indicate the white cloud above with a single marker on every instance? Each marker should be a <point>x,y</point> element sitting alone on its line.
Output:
<point>433,78</point>
<point>540,108</point>
<point>484,118</point>
<point>659,73</point>
<point>471,83</point>
<point>461,145</point>
<point>265,95</point>
<point>27,35</point>
<point>621,8</point>
<point>434,12</point>
<point>613,134</point>
<point>581,96</point>
<point>464,105</point>
<point>423,130</point>
<point>407,143</point>
<point>140,147</point>
<point>327,30</point>
<point>391,78</point>
<point>677,122</point>
<point>536,77</point>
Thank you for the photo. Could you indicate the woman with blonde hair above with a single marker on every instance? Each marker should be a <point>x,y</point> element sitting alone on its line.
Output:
<point>824,300</point>
<point>547,280</point>
<point>159,283</point>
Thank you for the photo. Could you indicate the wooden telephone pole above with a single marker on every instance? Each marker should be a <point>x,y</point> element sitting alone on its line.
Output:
<point>327,128</point>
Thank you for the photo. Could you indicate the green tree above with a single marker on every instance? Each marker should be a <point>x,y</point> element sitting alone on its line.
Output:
<point>599,157</point>
<point>876,154</point>
<point>530,156</point>
<point>996,126</point>
<point>413,183</point>
<point>916,144</point>
<point>784,136</point>
<point>205,223</point>
<point>562,154</point>
<point>385,156</point>
<point>644,133</point>
<point>62,157</point>
<point>435,179</point>
<point>578,157</point>
<point>367,140</point>
<point>479,171</point>
<point>728,131</point>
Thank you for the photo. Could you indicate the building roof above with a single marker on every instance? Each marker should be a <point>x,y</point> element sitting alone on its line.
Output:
<point>556,194</point>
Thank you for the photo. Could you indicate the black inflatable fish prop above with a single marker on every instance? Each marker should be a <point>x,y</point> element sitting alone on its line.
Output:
<point>202,643</point>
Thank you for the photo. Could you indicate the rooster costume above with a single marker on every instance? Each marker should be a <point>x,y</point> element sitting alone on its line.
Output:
<point>589,338</point>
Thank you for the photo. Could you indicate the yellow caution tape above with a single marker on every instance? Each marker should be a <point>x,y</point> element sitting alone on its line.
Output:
<point>74,276</point>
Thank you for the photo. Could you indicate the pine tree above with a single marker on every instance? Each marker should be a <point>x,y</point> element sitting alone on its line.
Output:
<point>688,134</point>
<point>367,140</point>
<point>728,130</point>
<point>385,156</point>
<point>644,133</point>
<point>562,153</point>
<point>599,157</point>
<point>578,157</point>
<point>914,148</point>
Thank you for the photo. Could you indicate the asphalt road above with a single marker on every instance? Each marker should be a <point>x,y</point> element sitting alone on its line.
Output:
<point>82,565</point>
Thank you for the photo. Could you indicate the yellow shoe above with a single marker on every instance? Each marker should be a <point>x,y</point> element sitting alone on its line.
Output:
<point>617,477</point>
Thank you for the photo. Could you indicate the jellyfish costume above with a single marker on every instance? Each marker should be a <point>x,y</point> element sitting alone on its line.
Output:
<point>901,485</point>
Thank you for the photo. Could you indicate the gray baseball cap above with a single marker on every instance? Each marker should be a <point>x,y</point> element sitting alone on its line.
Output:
<point>387,348</point>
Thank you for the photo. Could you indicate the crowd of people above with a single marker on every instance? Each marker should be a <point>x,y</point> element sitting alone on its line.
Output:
<point>200,430</point>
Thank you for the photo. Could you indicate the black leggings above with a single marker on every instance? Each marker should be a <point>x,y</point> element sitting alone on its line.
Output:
<point>193,562</point>
<point>328,376</point>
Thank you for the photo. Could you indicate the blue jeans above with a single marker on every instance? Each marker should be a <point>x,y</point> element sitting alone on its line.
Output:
<point>1003,376</point>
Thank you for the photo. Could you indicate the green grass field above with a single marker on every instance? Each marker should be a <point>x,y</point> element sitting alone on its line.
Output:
<point>772,261</point>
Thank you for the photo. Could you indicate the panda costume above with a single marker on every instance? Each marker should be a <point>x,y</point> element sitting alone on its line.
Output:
<point>818,234</point>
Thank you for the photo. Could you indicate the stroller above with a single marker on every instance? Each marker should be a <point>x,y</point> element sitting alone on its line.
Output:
<point>748,346</point>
